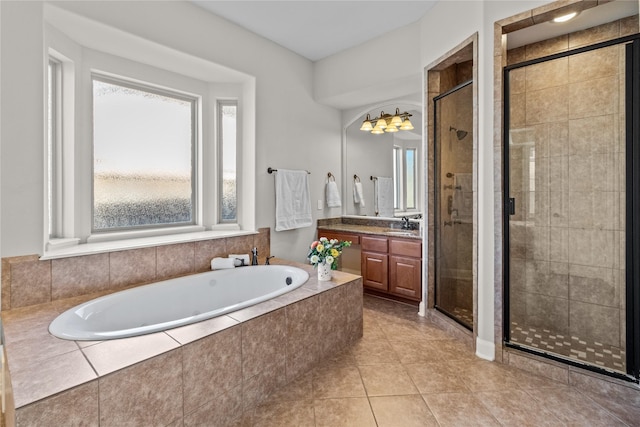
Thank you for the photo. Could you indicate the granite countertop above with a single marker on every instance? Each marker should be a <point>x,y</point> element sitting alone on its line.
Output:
<point>372,229</point>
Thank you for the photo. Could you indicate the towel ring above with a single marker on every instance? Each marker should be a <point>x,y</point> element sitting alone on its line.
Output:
<point>356,178</point>
<point>330,177</point>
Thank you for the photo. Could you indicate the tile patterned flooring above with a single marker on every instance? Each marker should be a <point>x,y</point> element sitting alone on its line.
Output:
<point>593,352</point>
<point>406,371</point>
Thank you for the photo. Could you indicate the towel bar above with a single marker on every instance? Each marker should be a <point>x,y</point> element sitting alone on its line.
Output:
<point>271,170</point>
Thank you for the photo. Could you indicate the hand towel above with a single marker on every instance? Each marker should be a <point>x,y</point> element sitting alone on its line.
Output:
<point>358,194</point>
<point>293,200</point>
<point>333,195</point>
<point>384,196</point>
<point>222,263</point>
<point>238,258</point>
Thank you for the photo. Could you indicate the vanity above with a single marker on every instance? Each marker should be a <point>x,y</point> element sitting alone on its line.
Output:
<point>388,258</point>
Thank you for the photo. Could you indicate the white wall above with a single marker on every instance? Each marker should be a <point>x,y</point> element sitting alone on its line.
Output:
<point>291,130</point>
<point>446,25</point>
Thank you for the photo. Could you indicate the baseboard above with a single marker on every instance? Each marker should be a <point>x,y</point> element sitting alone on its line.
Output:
<point>485,349</point>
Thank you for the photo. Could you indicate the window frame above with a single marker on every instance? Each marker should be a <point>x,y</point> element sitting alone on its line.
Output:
<point>195,102</point>
<point>220,103</point>
<point>205,80</point>
<point>54,147</point>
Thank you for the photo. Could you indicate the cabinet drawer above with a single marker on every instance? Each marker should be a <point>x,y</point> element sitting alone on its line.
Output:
<point>375,244</point>
<point>348,237</point>
<point>406,247</point>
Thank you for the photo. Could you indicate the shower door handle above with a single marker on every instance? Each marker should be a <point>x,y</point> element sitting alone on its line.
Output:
<point>512,205</point>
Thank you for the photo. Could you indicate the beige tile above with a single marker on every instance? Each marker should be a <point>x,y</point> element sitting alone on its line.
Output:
<point>30,282</point>
<point>255,310</point>
<point>386,380</point>
<point>337,381</point>
<point>459,409</point>
<point>78,406</point>
<point>435,378</point>
<point>206,250</point>
<point>593,35</point>
<point>540,369</point>
<point>175,260</point>
<point>621,409</point>
<point>547,74</point>
<point>258,388</point>
<point>225,408</point>
<point>406,411</point>
<point>212,366</point>
<point>132,267</point>
<point>148,393</point>
<point>547,105</point>
<point>593,97</point>
<point>195,331</point>
<point>302,336</point>
<point>262,340</point>
<point>281,414</point>
<point>515,407</point>
<point>240,245</point>
<point>112,355</point>
<point>598,323</point>
<point>79,275</point>
<point>353,412</point>
<point>594,64</point>
<point>50,376</point>
<point>332,316</point>
<point>574,408</point>
<point>299,389</point>
<point>547,47</point>
<point>372,351</point>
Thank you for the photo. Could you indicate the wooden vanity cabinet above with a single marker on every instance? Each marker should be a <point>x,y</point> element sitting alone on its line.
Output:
<point>405,268</point>
<point>375,263</point>
<point>389,266</point>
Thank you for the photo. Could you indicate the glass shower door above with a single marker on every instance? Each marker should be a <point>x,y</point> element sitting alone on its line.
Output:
<point>566,207</point>
<point>454,204</point>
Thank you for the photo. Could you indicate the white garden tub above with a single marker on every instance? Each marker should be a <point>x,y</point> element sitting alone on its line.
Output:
<point>175,302</point>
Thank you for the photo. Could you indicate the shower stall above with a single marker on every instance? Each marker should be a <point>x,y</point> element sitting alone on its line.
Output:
<point>453,161</point>
<point>572,206</point>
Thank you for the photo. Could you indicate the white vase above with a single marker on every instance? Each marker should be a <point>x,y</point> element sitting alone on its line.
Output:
<point>324,271</point>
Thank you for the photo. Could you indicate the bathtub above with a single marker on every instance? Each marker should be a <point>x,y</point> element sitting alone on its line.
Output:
<point>175,302</point>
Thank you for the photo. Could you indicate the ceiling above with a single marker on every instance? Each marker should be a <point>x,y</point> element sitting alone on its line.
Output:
<point>317,29</point>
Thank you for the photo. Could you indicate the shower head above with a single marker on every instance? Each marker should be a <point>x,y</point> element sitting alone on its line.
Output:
<point>460,134</point>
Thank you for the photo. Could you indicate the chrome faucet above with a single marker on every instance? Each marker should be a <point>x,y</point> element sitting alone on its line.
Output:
<point>254,256</point>
<point>406,225</point>
<point>266,261</point>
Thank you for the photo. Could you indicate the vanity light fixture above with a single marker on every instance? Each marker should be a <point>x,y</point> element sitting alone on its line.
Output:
<point>387,123</point>
<point>565,18</point>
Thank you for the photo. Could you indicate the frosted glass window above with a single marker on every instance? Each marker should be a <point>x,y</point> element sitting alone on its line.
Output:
<point>53,116</point>
<point>410,158</point>
<point>228,130</point>
<point>143,156</point>
<point>397,177</point>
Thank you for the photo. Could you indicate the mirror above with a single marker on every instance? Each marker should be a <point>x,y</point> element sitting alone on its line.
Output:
<point>395,155</point>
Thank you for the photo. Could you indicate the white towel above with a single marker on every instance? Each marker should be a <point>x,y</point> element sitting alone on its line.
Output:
<point>222,263</point>
<point>462,205</point>
<point>384,196</point>
<point>238,258</point>
<point>333,195</point>
<point>358,194</point>
<point>293,200</point>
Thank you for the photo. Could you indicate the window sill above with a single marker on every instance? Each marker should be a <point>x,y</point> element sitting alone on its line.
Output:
<point>55,250</point>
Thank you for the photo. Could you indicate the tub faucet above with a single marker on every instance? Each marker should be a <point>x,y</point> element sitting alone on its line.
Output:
<point>266,262</point>
<point>254,256</point>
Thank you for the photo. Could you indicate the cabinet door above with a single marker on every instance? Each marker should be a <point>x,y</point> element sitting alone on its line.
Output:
<point>405,277</point>
<point>348,237</point>
<point>375,271</point>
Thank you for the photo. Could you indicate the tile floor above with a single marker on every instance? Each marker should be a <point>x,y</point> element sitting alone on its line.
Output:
<point>406,371</point>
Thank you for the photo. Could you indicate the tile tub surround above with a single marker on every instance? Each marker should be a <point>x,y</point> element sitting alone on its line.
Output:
<point>215,369</point>
<point>28,281</point>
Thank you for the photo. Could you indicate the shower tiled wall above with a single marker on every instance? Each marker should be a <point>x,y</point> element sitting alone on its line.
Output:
<point>28,281</point>
<point>567,168</point>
